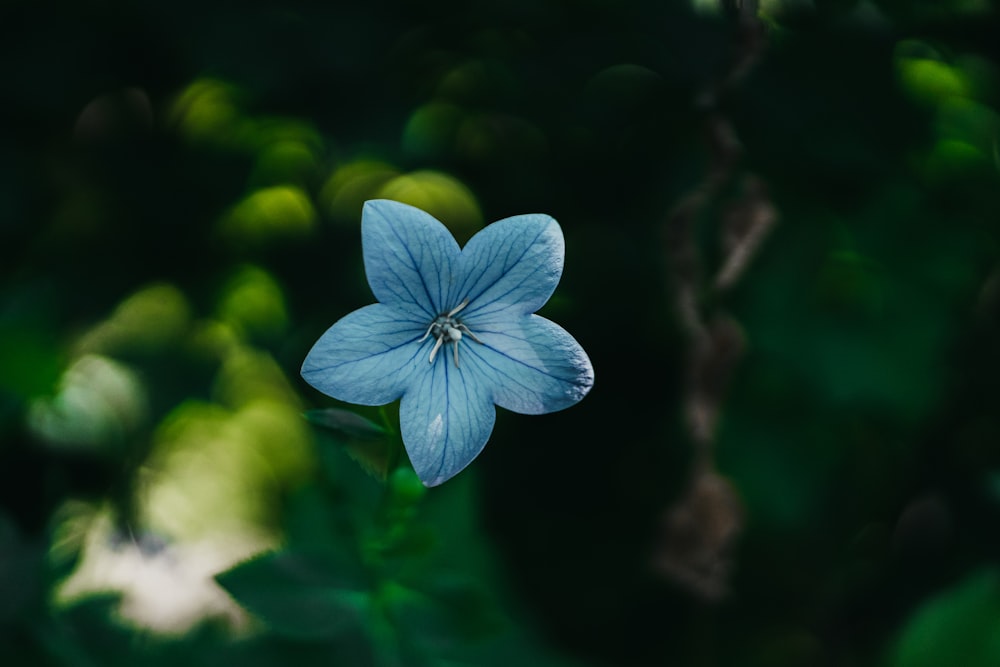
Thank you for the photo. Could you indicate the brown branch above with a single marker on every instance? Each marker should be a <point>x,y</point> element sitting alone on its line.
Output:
<point>700,529</point>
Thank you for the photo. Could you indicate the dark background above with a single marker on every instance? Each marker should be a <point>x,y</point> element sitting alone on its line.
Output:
<point>180,195</point>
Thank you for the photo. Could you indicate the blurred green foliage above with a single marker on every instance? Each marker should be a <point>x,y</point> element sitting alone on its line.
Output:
<point>180,191</point>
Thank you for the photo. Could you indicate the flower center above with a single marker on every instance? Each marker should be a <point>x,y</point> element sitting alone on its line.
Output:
<point>447,328</point>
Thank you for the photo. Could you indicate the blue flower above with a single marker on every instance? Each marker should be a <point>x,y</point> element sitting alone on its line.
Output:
<point>453,333</point>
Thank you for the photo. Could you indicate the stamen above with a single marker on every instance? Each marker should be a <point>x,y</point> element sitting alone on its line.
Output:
<point>464,329</point>
<point>428,332</point>
<point>446,329</point>
<point>437,346</point>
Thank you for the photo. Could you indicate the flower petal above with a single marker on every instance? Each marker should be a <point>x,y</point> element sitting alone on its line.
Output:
<point>366,357</point>
<point>446,417</point>
<point>512,266</point>
<point>532,365</point>
<point>410,257</point>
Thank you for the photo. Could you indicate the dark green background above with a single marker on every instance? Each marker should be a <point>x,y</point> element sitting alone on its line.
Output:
<point>180,192</point>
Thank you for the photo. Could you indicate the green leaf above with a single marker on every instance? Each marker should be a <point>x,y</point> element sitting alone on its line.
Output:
<point>443,614</point>
<point>960,626</point>
<point>300,596</point>
<point>472,610</point>
<point>345,423</point>
<point>426,625</point>
<point>364,441</point>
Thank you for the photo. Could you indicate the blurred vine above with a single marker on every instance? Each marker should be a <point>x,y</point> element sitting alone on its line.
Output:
<point>700,530</point>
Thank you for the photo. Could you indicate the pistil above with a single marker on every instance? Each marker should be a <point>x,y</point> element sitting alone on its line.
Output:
<point>446,328</point>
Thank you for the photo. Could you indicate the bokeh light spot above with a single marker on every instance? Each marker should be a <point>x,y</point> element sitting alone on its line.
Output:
<point>207,456</point>
<point>99,403</point>
<point>441,195</point>
<point>165,587</point>
<point>281,211</point>
<point>247,375</point>
<point>477,81</point>
<point>430,131</point>
<point>350,185</point>
<point>113,115</point>
<point>285,161</point>
<point>969,121</point>
<point>489,137</point>
<point>149,320</point>
<point>206,111</point>
<point>252,303</point>
<point>929,82</point>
